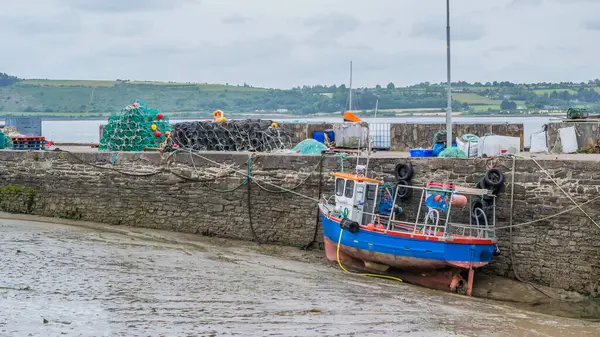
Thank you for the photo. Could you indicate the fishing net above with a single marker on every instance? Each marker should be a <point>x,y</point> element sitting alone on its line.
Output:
<point>309,146</point>
<point>237,135</point>
<point>135,128</point>
<point>439,137</point>
<point>453,152</point>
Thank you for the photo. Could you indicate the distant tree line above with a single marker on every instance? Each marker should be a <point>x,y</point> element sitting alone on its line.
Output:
<point>6,80</point>
<point>28,97</point>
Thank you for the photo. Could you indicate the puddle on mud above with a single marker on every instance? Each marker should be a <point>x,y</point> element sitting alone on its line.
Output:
<point>66,280</point>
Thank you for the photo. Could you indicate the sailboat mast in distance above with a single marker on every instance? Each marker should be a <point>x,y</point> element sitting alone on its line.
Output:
<point>350,98</point>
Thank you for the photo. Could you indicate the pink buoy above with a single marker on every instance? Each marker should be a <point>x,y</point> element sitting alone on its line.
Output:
<point>136,105</point>
<point>459,200</point>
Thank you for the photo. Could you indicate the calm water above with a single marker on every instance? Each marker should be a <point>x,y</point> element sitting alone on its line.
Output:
<point>87,131</point>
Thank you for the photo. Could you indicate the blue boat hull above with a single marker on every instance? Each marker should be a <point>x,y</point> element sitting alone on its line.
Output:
<point>405,253</point>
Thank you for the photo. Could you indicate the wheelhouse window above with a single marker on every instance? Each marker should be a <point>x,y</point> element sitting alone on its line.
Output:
<point>339,187</point>
<point>349,189</point>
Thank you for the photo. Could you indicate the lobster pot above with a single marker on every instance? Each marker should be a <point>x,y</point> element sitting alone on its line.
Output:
<point>351,135</point>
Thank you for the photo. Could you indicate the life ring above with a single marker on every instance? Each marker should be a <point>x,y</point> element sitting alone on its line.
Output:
<point>403,171</point>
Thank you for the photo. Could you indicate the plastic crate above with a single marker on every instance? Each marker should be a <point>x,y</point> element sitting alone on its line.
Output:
<point>420,152</point>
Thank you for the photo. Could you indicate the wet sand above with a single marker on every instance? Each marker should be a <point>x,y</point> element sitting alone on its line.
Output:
<point>119,281</point>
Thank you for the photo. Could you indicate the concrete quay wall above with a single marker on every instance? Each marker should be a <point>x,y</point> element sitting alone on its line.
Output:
<point>173,193</point>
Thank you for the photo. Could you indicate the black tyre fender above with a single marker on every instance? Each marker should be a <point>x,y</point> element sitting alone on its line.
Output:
<point>479,203</point>
<point>482,185</point>
<point>403,171</point>
<point>403,191</point>
<point>494,178</point>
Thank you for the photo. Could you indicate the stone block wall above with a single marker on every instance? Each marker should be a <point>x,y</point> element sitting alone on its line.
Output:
<point>408,136</point>
<point>588,136</point>
<point>157,191</point>
<point>302,131</point>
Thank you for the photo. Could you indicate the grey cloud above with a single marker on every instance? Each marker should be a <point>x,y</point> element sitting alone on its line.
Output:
<point>235,19</point>
<point>463,31</point>
<point>125,5</point>
<point>592,25</point>
<point>333,25</point>
<point>61,24</point>
<point>295,42</point>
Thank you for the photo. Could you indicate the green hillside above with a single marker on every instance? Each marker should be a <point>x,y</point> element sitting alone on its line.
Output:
<point>93,98</point>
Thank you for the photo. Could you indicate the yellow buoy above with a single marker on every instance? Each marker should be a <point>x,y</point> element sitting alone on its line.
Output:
<point>274,125</point>
<point>153,127</point>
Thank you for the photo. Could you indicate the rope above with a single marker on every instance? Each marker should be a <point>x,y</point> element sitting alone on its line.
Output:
<point>565,192</point>
<point>282,190</point>
<point>337,255</point>
<point>314,239</point>
<point>550,216</point>
<point>214,189</point>
<point>512,256</point>
<point>249,179</point>
<point>257,179</point>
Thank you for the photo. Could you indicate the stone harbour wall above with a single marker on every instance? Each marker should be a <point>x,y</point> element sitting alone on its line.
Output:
<point>173,193</point>
<point>409,136</point>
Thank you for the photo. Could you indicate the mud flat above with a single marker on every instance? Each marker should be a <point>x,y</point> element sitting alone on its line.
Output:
<point>99,280</point>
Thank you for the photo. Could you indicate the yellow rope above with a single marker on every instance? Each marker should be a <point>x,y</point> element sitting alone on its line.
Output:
<point>346,270</point>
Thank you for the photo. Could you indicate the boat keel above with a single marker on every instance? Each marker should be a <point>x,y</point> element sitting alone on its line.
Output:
<point>445,280</point>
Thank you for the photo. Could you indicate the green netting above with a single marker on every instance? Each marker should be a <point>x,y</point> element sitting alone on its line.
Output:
<point>132,129</point>
<point>453,152</point>
<point>470,138</point>
<point>309,146</point>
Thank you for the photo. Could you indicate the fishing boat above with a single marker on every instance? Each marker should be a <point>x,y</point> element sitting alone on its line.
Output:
<point>367,231</point>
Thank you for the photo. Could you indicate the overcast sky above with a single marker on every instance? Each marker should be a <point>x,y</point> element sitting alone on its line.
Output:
<point>284,43</point>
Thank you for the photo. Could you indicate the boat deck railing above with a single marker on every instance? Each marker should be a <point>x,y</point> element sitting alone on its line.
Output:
<point>436,222</point>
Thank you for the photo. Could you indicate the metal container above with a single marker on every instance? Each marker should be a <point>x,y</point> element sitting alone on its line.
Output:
<point>27,126</point>
<point>351,135</point>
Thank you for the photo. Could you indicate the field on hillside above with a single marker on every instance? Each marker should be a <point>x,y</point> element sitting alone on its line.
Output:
<point>100,83</point>
<point>474,99</point>
<point>548,91</point>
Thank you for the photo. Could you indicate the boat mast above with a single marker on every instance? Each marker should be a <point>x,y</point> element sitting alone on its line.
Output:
<point>449,93</point>
<point>350,98</point>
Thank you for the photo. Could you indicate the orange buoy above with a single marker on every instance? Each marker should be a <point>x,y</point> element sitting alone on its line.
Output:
<point>217,114</point>
<point>370,226</point>
<point>380,226</point>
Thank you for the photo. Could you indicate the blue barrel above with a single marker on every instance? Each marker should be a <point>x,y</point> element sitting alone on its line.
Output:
<point>331,136</point>
<point>319,136</point>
